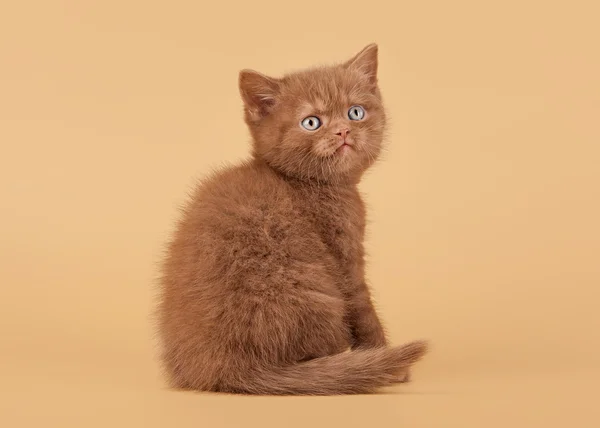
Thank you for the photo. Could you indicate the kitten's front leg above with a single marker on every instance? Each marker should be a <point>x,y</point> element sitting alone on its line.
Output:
<point>367,331</point>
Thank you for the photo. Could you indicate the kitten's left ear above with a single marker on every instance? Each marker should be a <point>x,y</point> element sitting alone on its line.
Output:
<point>365,62</point>
<point>259,93</point>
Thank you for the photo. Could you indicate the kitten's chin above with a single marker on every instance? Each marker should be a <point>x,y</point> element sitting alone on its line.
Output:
<point>345,164</point>
<point>348,164</point>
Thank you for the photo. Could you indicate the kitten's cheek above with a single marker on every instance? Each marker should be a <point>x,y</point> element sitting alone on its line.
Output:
<point>322,148</point>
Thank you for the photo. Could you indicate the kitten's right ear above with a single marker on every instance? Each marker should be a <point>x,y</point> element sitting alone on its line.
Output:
<point>259,93</point>
<point>366,62</point>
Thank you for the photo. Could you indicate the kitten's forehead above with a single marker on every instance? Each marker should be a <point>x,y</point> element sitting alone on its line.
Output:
<point>323,89</point>
<point>316,106</point>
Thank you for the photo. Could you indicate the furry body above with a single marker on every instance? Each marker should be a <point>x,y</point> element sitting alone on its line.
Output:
<point>263,288</point>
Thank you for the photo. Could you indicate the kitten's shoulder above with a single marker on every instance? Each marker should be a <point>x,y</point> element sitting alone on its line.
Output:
<point>247,183</point>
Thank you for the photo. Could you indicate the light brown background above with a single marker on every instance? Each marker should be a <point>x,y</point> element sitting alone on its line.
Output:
<point>484,217</point>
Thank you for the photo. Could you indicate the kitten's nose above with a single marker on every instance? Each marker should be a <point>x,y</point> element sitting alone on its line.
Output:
<point>343,132</point>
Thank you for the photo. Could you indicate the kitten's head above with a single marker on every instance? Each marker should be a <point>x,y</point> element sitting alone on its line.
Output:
<point>324,124</point>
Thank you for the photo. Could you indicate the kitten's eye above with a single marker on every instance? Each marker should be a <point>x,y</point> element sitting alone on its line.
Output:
<point>356,113</point>
<point>311,123</point>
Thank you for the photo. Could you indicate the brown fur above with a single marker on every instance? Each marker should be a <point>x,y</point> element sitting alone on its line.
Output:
<point>263,287</point>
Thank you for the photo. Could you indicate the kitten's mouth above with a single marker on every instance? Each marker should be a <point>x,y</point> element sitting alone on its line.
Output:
<point>344,147</point>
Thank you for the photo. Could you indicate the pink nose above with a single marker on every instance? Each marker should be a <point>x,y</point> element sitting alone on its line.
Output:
<point>343,132</point>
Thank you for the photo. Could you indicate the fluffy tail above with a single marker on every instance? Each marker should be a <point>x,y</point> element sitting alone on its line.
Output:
<point>354,372</point>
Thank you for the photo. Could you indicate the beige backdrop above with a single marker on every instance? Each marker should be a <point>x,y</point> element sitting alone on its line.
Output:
<point>484,217</point>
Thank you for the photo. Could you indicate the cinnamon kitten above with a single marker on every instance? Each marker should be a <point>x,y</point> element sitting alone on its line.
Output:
<point>263,287</point>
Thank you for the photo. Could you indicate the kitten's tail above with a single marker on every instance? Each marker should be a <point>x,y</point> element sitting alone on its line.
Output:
<point>354,372</point>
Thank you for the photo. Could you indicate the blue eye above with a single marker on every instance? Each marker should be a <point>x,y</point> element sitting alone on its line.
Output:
<point>311,123</point>
<point>356,113</point>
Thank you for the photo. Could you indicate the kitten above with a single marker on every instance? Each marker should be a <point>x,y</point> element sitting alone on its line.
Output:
<point>263,288</point>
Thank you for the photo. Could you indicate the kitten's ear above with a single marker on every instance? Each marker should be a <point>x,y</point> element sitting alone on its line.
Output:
<point>365,62</point>
<point>259,93</point>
